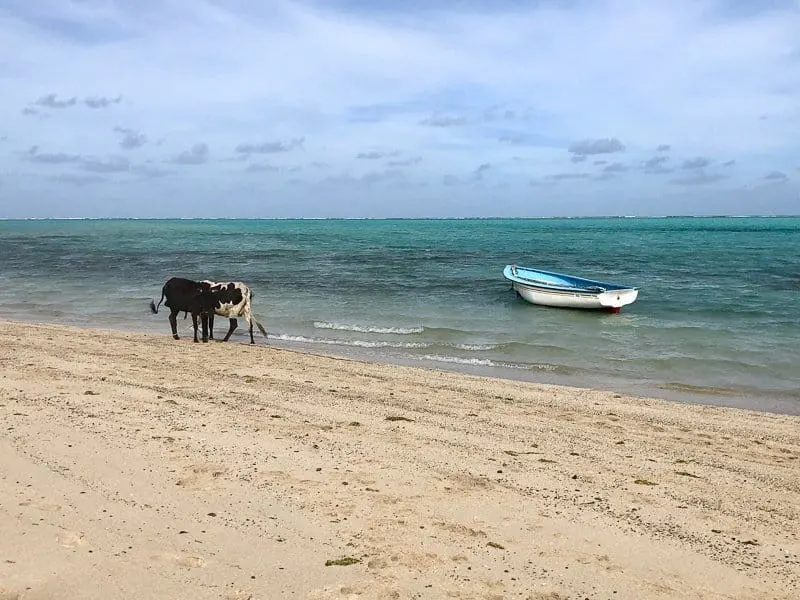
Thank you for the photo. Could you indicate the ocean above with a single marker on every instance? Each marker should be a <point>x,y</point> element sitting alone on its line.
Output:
<point>717,320</point>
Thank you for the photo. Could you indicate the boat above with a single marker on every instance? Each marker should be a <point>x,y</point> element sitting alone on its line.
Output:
<point>546,288</point>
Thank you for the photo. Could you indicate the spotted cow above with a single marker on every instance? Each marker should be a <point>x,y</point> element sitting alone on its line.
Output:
<point>232,299</point>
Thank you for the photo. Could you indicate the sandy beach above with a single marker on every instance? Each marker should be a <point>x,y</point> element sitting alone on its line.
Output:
<point>136,466</point>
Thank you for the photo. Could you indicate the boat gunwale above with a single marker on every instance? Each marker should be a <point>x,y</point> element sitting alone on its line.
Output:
<point>545,286</point>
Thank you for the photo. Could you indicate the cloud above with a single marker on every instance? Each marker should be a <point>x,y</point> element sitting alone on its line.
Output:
<point>698,178</point>
<point>113,164</point>
<point>492,115</point>
<point>663,148</point>
<point>197,155</point>
<point>655,162</point>
<point>599,162</point>
<point>366,180</point>
<point>444,121</point>
<point>576,158</point>
<point>51,158</point>
<point>567,176</point>
<point>29,111</point>
<point>655,165</point>
<point>615,167</point>
<point>499,113</point>
<point>729,163</point>
<point>101,102</point>
<point>477,174</point>
<point>659,170</point>
<point>52,101</point>
<point>345,179</point>
<point>261,168</point>
<point>450,181</point>
<point>695,163</point>
<point>130,139</point>
<point>776,177</point>
<point>598,146</point>
<point>270,147</point>
<point>373,155</point>
<point>369,155</point>
<point>405,162</point>
<point>530,139</point>
<point>389,175</point>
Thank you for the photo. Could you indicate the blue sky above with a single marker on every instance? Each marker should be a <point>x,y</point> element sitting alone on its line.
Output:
<point>352,108</point>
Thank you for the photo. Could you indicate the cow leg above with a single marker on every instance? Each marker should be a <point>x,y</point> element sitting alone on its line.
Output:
<point>173,322</point>
<point>250,321</point>
<point>211,326</point>
<point>194,325</point>
<point>234,325</point>
<point>204,318</point>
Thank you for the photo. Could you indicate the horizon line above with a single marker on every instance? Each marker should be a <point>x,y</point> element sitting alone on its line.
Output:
<point>490,218</point>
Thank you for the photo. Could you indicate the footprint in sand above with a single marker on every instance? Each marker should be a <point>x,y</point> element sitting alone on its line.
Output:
<point>201,476</point>
<point>238,595</point>
<point>355,591</point>
<point>70,539</point>
<point>8,594</point>
<point>182,560</point>
<point>190,562</point>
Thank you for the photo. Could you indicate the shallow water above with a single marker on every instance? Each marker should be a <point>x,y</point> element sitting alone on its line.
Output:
<point>717,319</point>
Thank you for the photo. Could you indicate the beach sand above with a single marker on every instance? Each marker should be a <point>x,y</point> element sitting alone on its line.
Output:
<point>136,466</point>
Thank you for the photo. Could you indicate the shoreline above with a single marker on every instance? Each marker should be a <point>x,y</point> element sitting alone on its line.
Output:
<point>670,391</point>
<point>138,466</point>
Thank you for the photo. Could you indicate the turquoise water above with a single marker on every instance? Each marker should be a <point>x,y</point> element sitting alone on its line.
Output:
<point>717,319</point>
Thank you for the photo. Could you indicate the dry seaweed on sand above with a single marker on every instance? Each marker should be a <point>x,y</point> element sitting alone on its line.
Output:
<point>345,561</point>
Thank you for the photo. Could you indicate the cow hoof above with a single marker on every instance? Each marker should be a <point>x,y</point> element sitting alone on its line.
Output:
<point>175,337</point>
<point>205,341</point>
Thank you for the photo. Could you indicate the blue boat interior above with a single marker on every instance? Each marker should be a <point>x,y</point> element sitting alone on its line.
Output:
<point>548,279</point>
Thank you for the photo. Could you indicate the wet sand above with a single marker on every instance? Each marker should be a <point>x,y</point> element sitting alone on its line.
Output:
<point>135,466</point>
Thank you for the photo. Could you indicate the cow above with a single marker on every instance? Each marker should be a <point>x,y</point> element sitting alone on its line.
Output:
<point>232,299</point>
<point>185,295</point>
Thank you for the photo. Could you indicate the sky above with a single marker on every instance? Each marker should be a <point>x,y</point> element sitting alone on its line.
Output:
<point>374,109</point>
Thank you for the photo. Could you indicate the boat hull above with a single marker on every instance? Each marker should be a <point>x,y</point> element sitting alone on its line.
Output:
<point>611,301</point>
<point>546,288</point>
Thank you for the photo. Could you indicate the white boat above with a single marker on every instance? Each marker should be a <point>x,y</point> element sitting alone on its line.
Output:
<point>567,291</point>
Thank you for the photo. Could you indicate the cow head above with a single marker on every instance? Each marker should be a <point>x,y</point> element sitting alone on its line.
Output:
<point>205,298</point>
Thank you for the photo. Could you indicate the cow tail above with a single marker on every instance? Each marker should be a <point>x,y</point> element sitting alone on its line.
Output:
<point>153,306</point>
<point>260,327</point>
<point>251,316</point>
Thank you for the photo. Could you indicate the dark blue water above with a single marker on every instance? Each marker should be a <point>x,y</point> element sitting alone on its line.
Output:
<point>718,314</point>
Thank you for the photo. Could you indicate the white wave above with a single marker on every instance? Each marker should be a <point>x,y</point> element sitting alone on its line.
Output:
<point>476,346</point>
<point>483,362</point>
<point>367,329</point>
<point>360,343</point>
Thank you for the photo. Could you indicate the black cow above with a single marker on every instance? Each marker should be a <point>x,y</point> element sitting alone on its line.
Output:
<point>185,295</point>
